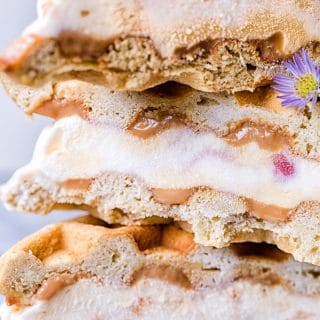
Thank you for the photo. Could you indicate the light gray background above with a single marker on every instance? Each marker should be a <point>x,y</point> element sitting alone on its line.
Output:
<point>17,132</point>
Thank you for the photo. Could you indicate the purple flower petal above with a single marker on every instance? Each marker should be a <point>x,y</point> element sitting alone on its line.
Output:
<point>291,67</point>
<point>299,67</point>
<point>284,80</point>
<point>314,101</point>
<point>311,68</point>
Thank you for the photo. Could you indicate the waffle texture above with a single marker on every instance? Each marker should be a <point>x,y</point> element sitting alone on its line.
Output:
<point>133,45</point>
<point>159,269</point>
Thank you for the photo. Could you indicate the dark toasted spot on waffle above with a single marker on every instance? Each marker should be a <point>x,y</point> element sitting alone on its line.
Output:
<point>264,276</point>
<point>169,90</point>
<point>259,251</point>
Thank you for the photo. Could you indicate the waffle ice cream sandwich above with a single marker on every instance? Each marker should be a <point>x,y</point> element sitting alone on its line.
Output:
<point>230,168</point>
<point>133,45</point>
<point>167,131</point>
<point>83,269</point>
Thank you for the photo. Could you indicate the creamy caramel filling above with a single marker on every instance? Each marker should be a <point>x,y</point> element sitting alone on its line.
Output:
<point>166,273</point>
<point>146,126</point>
<point>76,44</point>
<point>14,303</point>
<point>76,184</point>
<point>267,212</point>
<point>172,196</point>
<point>72,44</point>
<point>263,97</point>
<point>266,137</point>
<point>52,286</point>
<point>61,108</point>
<point>271,49</point>
<point>10,301</point>
<point>166,162</point>
<point>19,51</point>
<point>257,209</point>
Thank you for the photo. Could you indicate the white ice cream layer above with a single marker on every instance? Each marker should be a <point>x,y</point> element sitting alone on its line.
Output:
<point>157,300</point>
<point>72,148</point>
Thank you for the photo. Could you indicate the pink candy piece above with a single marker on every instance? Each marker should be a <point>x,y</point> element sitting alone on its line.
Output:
<point>283,165</point>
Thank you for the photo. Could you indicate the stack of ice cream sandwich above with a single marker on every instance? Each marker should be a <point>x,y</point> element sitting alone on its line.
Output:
<point>190,132</point>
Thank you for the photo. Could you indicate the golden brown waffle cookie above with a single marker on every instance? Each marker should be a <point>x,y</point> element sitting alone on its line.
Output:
<point>133,45</point>
<point>149,271</point>
<point>236,168</point>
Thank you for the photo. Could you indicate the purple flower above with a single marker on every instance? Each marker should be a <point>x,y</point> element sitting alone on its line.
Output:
<point>301,85</point>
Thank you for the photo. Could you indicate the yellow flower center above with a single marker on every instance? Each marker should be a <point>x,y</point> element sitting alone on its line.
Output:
<point>306,85</point>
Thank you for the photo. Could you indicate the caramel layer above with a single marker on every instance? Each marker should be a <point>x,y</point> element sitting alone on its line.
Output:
<point>146,126</point>
<point>272,48</point>
<point>267,212</point>
<point>52,286</point>
<point>19,51</point>
<point>80,45</point>
<point>271,213</point>
<point>76,184</point>
<point>15,304</point>
<point>72,44</point>
<point>172,196</point>
<point>257,209</point>
<point>266,137</point>
<point>61,108</point>
<point>165,273</point>
<point>10,301</point>
<point>264,97</point>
